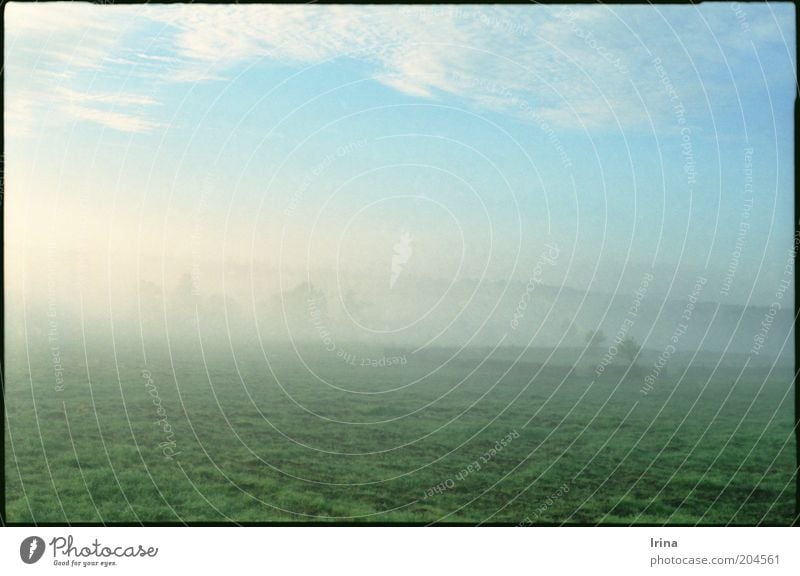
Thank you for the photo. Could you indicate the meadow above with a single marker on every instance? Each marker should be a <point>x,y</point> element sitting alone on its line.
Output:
<point>237,434</point>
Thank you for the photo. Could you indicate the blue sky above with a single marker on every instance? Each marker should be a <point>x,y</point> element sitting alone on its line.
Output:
<point>485,131</point>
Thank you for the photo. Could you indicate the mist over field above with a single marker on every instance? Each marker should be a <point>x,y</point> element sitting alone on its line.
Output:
<point>304,263</point>
<point>417,313</point>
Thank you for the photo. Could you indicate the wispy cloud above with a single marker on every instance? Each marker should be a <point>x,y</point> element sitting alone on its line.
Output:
<point>111,119</point>
<point>108,98</point>
<point>108,109</point>
<point>57,54</point>
<point>580,67</point>
<point>121,111</point>
<point>583,67</point>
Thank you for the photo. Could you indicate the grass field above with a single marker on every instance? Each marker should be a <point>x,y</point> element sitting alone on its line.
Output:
<point>215,436</point>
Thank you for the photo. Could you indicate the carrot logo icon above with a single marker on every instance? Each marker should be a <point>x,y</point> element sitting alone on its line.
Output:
<point>31,549</point>
<point>402,253</point>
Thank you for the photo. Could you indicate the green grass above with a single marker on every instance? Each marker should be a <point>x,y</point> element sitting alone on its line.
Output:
<point>258,447</point>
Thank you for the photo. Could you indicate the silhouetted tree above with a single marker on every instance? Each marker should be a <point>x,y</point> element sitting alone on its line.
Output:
<point>595,338</point>
<point>629,348</point>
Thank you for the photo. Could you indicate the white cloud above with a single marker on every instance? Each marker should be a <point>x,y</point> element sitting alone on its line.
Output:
<point>54,51</point>
<point>56,18</point>
<point>120,111</point>
<point>112,98</point>
<point>576,65</point>
<point>110,119</point>
<point>103,108</point>
<point>19,114</point>
<point>580,67</point>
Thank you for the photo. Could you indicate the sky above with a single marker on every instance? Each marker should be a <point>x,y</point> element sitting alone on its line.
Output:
<point>255,148</point>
